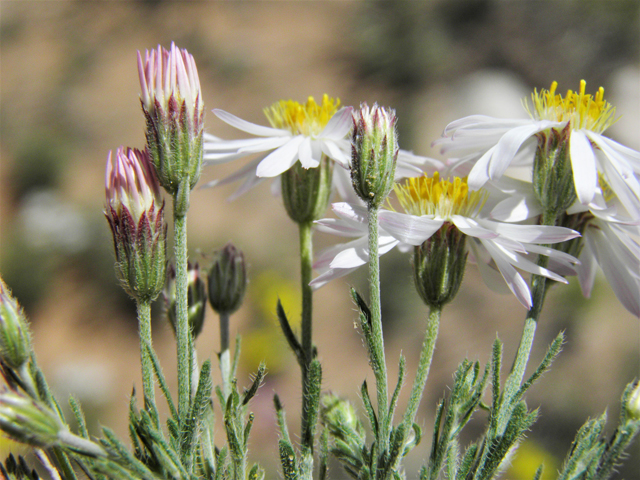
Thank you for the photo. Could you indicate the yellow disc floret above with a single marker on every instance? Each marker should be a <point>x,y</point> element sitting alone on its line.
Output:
<point>583,111</point>
<point>439,197</point>
<point>307,119</point>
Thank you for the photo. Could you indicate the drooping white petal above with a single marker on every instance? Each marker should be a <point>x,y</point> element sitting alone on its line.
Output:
<point>472,228</point>
<point>249,127</point>
<point>245,171</point>
<point>331,149</point>
<point>587,270</point>
<point>341,227</point>
<point>624,153</point>
<point>531,233</point>
<point>305,155</point>
<point>349,211</point>
<point>509,145</point>
<point>625,286</point>
<point>408,228</point>
<point>479,174</point>
<point>583,166</point>
<point>514,280</point>
<point>339,125</point>
<point>228,146</point>
<point>281,159</point>
<point>515,209</point>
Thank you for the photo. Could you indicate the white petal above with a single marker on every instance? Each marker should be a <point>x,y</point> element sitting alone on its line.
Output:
<point>328,275</point>
<point>625,286</point>
<point>264,145</point>
<point>339,125</point>
<point>280,160</point>
<point>249,127</point>
<point>515,209</point>
<point>509,145</point>
<point>408,228</point>
<point>531,233</point>
<point>349,211</point>
<point>341,227</point>
<point>583,165</point>
<point>587,270</point>
<point>630,156</point>
<point>304,154</point>
<point>514,280</point>
<point>334,152</point>
<point>472,228</point>
<point>479,174</point>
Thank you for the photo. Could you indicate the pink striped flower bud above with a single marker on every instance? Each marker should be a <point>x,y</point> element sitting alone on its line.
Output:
<point>135,214</point>
<point>174,112</point>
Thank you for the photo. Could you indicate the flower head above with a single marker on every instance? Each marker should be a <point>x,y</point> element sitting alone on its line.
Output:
<point>134,211</point>
<point>374,153</point>
<point>497,245</point>
<point>174,112</point>
<point>577,121</point>
<point>15,339</point>
<point>227,280</point>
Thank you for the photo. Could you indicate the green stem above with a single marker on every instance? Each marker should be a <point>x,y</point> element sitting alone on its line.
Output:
<point>426,355</point>
<point>144,326</point>
<point>225,359</point>
<point>306,262</point>
<point>538,293</point>
<point>182,321</point>
<point>380,365</point>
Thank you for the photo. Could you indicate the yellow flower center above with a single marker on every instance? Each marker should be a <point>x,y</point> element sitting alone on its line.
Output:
<point>307,119</point>
<point>582,110</point>
<point>442,198</point>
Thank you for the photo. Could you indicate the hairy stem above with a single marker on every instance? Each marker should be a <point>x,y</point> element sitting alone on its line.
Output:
<point>144,326</point>
<point>380,366</point>
<point>306,261</point>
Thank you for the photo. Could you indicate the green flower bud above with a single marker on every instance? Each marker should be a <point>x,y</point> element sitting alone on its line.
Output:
<point>374,153</point>
<point>633,403</point>
<point>15,339</point>
<point>28,421</point>
<point>227,280</point>
<point>340,417</point>
<point>552,174</point>
<point>306,191</point>
<point>174,112</point>
<point>439,265</point>
<point>135,214</point>
<point>197,298</point>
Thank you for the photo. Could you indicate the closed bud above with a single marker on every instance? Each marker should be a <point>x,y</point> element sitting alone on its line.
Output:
<point>306,191</point>
<point>633,403</point>
<point>227,280</point>
<point>174,112</point>
<point>196,295</point>
<point>28,421</point>
<point>439,265</point>
<point>552,174</point>
<point>135,214</point>
<point>374,153</point>
<point>340,417</point>
<point>15,340</point>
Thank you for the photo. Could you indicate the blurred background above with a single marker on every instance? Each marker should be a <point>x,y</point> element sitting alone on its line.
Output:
<point>69,93</point>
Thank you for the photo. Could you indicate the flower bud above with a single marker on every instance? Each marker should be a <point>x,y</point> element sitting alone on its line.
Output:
<point>306,191</point>
<point>196,295</point>
<point>28,421</point>
<point>374,153</point>
<point>439,265</point>
<point>552,174</point>
<point>15,340</point>
<point>174,112</point>
<point>227,280</point>
<point>134,211</point>
<point>633,403</point>
<point>339,416</point>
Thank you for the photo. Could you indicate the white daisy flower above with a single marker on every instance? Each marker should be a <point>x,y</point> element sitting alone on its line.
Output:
<point>611,239</point>
<point>495,144</point>
<point>301,132</point>
<point>431,203</point>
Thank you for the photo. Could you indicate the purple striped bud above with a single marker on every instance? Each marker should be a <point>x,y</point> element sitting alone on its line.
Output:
<point>135,214</point>
<point>172,105</point>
